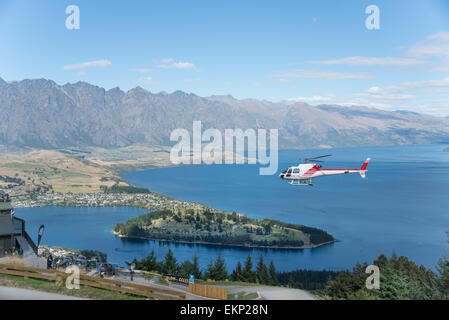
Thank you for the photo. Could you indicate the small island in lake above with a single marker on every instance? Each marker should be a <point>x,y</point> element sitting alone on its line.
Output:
<point>221,228</point>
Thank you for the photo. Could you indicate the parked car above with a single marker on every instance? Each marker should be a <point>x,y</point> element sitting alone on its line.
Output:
<point>80,262</point>
<point>106,269</point>
<point>92,264</point>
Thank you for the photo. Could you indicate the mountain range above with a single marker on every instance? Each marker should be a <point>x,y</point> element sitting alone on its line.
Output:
<point>40,113</point>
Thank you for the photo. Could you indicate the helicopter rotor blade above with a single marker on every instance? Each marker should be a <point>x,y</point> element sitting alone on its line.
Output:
<point>327,155</point>
<point>314,158</point>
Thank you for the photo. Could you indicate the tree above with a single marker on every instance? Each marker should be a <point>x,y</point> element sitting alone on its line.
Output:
<point>267,228</point>
<point>190,267</point>
<point>442,277</point>
<point>262,272</point>
<point>272,274</point>
<point>170,265</point>
<point>216,270</point>
<point>248,275</point>
<point>196,271</point>
<point>236,275</point>
<point>147,264</point>
<point>345,285</point>
<point>186,269</point>
<point>400,279</point>
<point>394,285</point>
<point>291,282</point>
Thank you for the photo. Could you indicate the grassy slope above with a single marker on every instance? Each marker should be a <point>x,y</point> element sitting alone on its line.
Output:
<point>49,286</point>
<point>53,170</point>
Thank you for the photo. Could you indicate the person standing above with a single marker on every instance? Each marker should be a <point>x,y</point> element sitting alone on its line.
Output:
<point>50,261</point>
<point>131,271</point>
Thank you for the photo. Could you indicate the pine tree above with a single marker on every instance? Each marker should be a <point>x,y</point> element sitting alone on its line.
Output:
<point>262,272</point>
<point>147,264</point>
<point>272,274</point>
<point>216,270</point>
<point>291,282</point>
<point>442,279</point>
<point>186,269</point>
<point>248,273</point>
<point>150,263</point>
<point>236,275</point>
<point>393,284</point>
<point>196,267</point>
<point>170,266</point>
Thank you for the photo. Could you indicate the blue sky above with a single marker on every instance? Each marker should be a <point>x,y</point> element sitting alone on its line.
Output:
<point>311,51</point>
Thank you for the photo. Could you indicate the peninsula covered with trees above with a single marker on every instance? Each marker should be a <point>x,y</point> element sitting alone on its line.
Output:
<point>221,228</point>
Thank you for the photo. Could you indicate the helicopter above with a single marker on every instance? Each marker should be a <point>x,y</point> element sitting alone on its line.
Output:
<point>303,174</point>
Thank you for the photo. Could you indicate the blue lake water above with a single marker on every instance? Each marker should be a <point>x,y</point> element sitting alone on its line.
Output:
<point>402,206</point>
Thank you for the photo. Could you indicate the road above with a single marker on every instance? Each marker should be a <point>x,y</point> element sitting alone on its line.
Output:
<point>264,292</point>
<point>7,293</point>
<point>123,276</point>
<point>272,293</point>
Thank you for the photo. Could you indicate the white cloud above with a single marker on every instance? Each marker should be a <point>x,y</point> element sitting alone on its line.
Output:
<point>169,63</point>
<point>375,89</point>
<point>371,61</point>
<point>313,99</point>
<point>435,49</point>
<point>428,96</point>
<point>432,52</point>
<point>147,81</point>
<point>440,36</point>
<point>141,70</point>
<point>416,85</point>
<point>324,75</point>
<point>385,96</point>
<point>89,64</point>
<point>433,45</point>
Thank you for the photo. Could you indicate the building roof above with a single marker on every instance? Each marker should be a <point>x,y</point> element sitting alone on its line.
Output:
<point>5,202</point>
<point>4,197</point>
<point>5,206</point>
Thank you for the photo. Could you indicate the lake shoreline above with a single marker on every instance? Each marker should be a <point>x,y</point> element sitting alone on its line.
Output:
<point>227,245</point>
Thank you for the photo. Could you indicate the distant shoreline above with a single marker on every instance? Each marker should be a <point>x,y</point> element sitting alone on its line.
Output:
<point>227,244</point>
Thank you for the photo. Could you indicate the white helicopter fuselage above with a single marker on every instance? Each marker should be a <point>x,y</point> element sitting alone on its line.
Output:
<point>309,171</point>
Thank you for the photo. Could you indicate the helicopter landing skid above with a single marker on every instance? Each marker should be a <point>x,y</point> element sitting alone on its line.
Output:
<point>307,183</point>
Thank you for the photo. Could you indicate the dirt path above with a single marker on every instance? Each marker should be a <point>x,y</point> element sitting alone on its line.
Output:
<point>7,293</point>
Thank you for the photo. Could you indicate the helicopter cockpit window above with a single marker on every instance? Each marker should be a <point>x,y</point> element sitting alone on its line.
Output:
<point>289,170</point>
<point>295,171</point>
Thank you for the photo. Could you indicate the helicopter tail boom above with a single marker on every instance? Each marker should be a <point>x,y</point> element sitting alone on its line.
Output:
<point>365,164</point>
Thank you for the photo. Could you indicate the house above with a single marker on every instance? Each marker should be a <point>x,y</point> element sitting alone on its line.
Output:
<point>13,237</point>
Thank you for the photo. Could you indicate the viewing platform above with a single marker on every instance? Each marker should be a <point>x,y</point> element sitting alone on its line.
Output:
<point>14,240</point>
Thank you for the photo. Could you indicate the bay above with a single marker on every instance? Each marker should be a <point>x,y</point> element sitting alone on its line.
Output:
<point>402,207</point>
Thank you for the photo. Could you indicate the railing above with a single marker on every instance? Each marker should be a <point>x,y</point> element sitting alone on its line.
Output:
<point>108,284</point>
<point>208,291</point>
<point>30,242</point>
